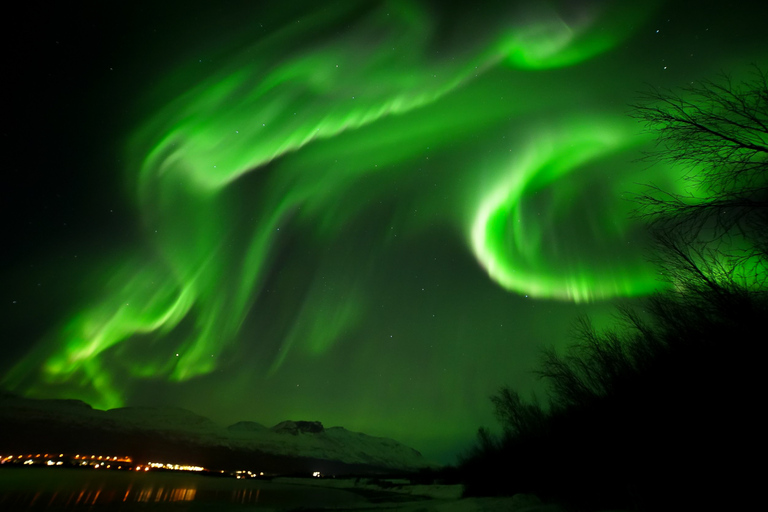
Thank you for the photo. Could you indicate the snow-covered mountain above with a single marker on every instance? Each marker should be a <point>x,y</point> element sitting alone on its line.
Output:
<point>169,432</point>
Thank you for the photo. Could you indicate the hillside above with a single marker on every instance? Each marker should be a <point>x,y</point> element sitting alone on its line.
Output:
<point>179,435</point>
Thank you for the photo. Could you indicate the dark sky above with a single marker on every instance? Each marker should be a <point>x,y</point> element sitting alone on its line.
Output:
<point>370,214</point>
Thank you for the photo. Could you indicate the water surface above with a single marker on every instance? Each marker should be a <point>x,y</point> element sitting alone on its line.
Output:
<point>81,489</point>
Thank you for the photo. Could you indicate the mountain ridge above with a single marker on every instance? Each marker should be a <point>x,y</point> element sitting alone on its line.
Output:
<point>142,432</point>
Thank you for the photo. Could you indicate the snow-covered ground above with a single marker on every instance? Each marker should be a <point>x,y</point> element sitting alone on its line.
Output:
<point>445,492</point>
<point>426,498</point>
<point>511,504</point>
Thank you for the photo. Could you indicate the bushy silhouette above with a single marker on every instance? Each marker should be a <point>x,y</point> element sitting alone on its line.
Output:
<point>661,411</point>
<point>656,413</point>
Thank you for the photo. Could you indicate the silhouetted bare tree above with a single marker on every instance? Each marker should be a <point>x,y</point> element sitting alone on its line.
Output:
<point>516,415</point>
<point>654,413</point>
<point>718,131</point>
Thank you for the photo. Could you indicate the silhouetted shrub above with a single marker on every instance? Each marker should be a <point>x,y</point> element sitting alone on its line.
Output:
<point>661,412</point>
<point>657,410</point>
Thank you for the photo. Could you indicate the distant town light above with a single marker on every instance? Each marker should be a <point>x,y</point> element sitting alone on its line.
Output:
<point>175,467</point>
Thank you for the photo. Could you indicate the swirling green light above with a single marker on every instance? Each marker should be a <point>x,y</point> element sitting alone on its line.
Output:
<point>549,41</point>
<point>286,138</point>
<point>511,243</point>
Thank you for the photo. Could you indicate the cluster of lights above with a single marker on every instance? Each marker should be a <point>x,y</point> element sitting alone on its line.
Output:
<point>49,459</point>
<point>246,474</point>
<point>112,462</point>
<point>103,458</point>
<point>102,461</point>
<point>173,467</point>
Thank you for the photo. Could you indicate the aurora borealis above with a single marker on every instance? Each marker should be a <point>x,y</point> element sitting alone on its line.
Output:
<point>370,214</point>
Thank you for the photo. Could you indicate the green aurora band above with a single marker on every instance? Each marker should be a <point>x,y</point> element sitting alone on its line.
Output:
<point>510,243</point>
<point>286,139</point>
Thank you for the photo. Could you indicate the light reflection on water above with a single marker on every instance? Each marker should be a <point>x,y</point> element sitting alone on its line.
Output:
<point>79,490</point>
<point>102,495</point>
<point>162,494</point>
<point>20,499</point>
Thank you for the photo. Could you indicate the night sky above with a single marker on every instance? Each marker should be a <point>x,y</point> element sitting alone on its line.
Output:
<point>371,214</point>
